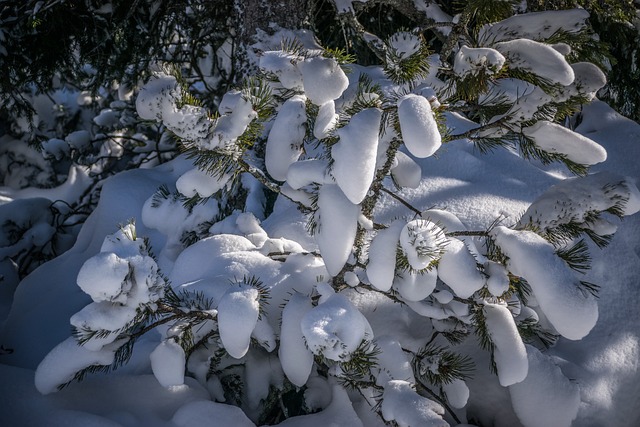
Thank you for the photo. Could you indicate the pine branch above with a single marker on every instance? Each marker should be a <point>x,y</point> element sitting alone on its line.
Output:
<point>402,201</point>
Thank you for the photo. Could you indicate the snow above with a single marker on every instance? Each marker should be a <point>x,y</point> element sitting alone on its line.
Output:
<point>338,223</point>
<point>284,144</point>
<point>422,241</point>
<point>199,182</point>
<point>457,393</point>
<point>167,363</point>
<point>62,363</point>
<point>472,61</point>
<point>589,79</point>
<point>545,387</point>
<point>354,156</point>
<point>418,126</point>
<point>534,25</point>
<point>155,96</point>
<point>295,357</point>
<point>582,195</point>
<point>382,256</point>
<point>400,403</point>
<point>510,354</point>
<point>457,268</point>
<point>404,44</point>
<point>537,58</point>
<point>406,172</point>
<point>238,313</point>
<point>340,412</point>
<point>323,79</point>
<point>335,328</point>
<point>103,277</point>
<point>415,286</point>
<point>282,65</point>
<point>570,310</point>
<point>557,139</point>
<point>392,361</point>
<point>498,280</point>
<point>325,120</point>
<point>200,413</point>
<point>469,190</point>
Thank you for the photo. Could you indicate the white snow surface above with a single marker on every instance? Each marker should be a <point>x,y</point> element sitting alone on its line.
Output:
<point>103,277</point>
<point>283,65</point>
<point>418,126</point>
<point>325,120</point>
<point>198,182</point>
<point>422,242</point>
<point>354,156</point>
<point>457,393</point>
<point>571,311</point>
<point>545,387</point>
<point>200,413</point>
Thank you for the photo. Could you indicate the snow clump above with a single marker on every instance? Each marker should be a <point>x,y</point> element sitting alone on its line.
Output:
<point>335,328</point>
<point>422,242</point>
<point>355,154</point>
<point>418,126</point>
<point>475,60</point>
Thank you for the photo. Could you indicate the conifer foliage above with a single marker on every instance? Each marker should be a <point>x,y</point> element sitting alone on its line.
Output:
<point>272,324</point>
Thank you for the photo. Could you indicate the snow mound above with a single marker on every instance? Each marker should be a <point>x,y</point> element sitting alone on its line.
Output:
<point>323,79</point>
<point>546,397</point>
<point>382,256</point>
<point>168,363</point>
<point>201,412</point>
<point>510,354</point>
<point>401,403</point>
<point>556,139</point>
<point>538,58</point>
<point>335,328</point>
<point>354,156</point>
<point>572,311</point>
<point>284,144</point>
<point>423,242</point>
<point>338,222</point>
<point>418,126</point>
<point>238,313</point>
<point>475,60</point>
<point>295,357</point>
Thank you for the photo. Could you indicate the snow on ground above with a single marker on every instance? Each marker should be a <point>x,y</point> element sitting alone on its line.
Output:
<point>477,188</point>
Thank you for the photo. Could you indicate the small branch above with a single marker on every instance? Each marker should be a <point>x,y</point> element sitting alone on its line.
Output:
<point>401,200</point>
<point>471,133</point>
<point>423,389</point>
<point>374,43</point>
<point>468,233</point>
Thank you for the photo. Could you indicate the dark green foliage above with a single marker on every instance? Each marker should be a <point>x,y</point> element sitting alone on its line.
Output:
<point>437,365</point>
